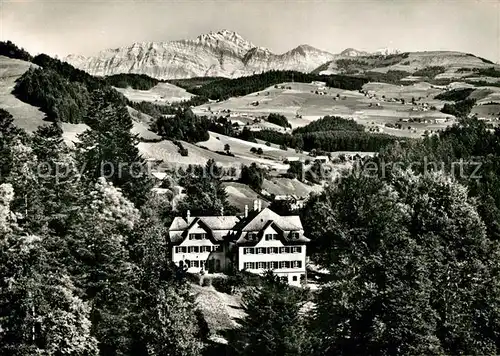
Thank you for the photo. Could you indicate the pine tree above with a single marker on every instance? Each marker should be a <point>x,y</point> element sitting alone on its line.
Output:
<point>109,149</point>
<point>8,135</point>
<point>274,323</point>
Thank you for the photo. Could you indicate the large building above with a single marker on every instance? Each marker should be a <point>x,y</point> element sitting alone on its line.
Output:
<point>258,241</point>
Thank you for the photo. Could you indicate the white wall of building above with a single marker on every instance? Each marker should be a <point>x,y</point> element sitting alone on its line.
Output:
<point>186,251</point>
<point>293,274</point>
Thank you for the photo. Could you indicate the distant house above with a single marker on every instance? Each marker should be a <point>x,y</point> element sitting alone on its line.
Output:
<point>258,241</point>
<point>295,201</point>
<point>318,83</point>
<point>322,159</point>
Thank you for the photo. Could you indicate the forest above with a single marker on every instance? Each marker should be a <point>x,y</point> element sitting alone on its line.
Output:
<point>135,81</point>
<point>330,133</point>
<point>223,88</point>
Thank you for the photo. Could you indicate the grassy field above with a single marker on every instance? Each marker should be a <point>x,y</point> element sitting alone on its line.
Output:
<point>162,93</point>
<point>379,104</point>
<point>71,131</point>
<point>221,311</point>
<point>25,116</point>
<point>240,195</point>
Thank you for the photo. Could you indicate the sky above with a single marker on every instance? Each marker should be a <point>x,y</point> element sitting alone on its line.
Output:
<point>60,27</point>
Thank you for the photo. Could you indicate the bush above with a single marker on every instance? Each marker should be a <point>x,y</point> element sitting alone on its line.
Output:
<point>279,120</point>
<point>253,176</point>
<point>206,281</point>
<point>223,285</point>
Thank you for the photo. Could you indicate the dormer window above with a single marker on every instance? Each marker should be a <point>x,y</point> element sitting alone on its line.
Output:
<point>295,235</point>
<point>270,237</point>
<point>252,236</point>
<point>197,236</point>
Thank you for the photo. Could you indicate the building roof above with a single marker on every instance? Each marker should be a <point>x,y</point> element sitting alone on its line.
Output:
<point>221,227</point>
<point>257,220</point>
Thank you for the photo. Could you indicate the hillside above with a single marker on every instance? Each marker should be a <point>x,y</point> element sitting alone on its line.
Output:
<point>426,64</point>
<point>162,93</point>
<point>375,106</point>
<point>223,53</point>
<point>25,116</point>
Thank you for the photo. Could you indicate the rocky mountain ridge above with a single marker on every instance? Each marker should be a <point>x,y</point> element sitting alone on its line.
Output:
<point>224,53</point>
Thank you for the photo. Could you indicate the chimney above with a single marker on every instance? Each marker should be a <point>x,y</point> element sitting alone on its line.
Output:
<point>246,211</point>
<point>255,206</point>
<point>260,204</point>
<point>188,215</point>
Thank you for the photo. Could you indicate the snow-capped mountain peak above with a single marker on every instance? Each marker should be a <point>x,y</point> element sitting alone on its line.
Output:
<point>218,53</point>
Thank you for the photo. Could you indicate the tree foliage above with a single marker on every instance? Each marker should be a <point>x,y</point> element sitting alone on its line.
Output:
<point>9,49</point>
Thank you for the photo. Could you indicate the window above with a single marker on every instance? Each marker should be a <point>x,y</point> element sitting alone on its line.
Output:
<point>261,265</point>
<point>275,265</point>
<point>269,237</point>
<point>261,250</point>
<point>180,249</point>
<point>294,278</point>
<point>251,236</point>
<point>202,264</point>
<point>193,249</point>
<point>272,250</point>
<point>197,236</point>
<point>187,263</point>
<point>282,249</point>
<point>205,248</point>
<point>249,265</point>
<point>296,249</point>
<point>284,279</point>
<point>195,264</point>
<point>248,250</point>
<point>296,264</point>
<point>295,235</point>
<point>282,264</point>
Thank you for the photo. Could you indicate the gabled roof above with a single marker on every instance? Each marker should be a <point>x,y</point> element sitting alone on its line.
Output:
<point>212,222</point>
<point>257,220</point>
<point>217,227</point>
<point>235,228</point>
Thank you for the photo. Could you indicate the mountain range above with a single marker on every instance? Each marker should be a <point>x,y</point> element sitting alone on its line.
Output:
<point>224,53</point>
<point>227,54</point>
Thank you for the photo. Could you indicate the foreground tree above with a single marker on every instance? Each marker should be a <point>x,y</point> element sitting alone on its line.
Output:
<point>274,324</point>
<point>206,195</point>
<point>413,270</point>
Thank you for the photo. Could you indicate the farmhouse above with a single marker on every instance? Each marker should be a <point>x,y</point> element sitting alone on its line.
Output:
<point>258,241</point>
